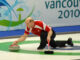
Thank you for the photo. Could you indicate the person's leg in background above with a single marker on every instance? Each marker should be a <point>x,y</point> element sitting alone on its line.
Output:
<point>55,44</point>
<point>52,41</point>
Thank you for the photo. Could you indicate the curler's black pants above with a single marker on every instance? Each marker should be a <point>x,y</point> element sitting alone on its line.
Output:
<point>53,43</point>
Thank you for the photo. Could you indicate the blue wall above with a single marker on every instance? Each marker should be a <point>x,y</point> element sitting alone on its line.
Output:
<point>57,29</point>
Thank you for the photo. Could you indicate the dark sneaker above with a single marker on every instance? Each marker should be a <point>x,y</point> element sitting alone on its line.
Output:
<point>41,47</point>
<point>70,42</point>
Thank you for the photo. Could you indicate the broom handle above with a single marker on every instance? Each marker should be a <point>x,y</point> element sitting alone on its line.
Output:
<point>48,44</point>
